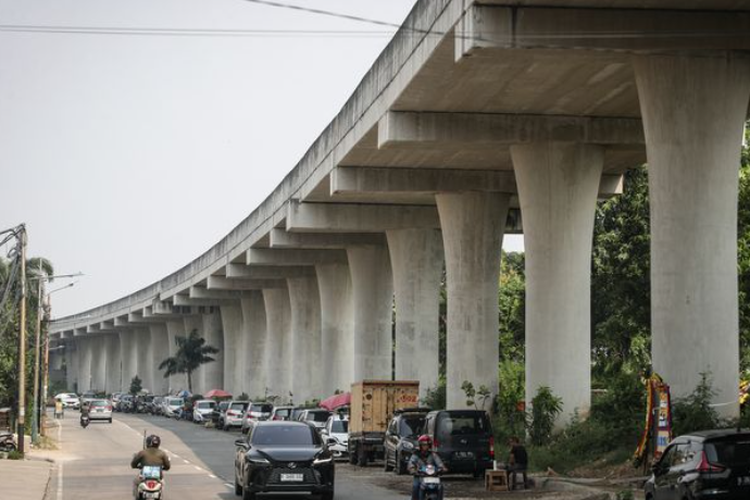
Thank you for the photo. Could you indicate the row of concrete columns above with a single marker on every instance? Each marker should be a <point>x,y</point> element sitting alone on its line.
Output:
<point>325,329</point>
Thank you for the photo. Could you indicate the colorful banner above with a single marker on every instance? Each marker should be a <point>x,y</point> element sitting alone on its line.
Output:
<point>658,429</point>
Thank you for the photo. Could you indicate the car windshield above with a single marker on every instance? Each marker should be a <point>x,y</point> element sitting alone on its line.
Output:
<point>410,427</point>
<point>175,402</point>
<point>238,406</point>
<point>99,402</point>
<point>317,416</point>
<point>262,408</point>
<point>340,426</point>
<point>223,405</point>
<point>465,424</point>
<point>283,412</point>
<point>730,451</point>
<point>203,405</point>
<point>296,413</point>
<point>283,435</point>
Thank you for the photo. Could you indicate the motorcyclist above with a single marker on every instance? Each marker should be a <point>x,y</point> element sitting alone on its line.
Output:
<point>85,409</point>
<point>151,455</point>
<point>421,458</point>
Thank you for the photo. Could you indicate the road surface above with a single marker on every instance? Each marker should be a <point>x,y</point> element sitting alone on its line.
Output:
<point>94,462</point>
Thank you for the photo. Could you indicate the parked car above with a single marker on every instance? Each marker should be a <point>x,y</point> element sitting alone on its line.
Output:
<point>172,407</point>
<point>115,399</point>
<point>217,417</point>
<point>202,410</point>
<point>234,413</point>
<point>125,404</point>
<point>335,434</point>
<point>69,400</point>
<point>283,457</point>
<point>255,412</point>
<point>317,417</point>
<point>401,437</point>
<point>296,412</point>
<point>100,409</point>
<point>463,439</point>
<point>705,464</point>
<point>156,406</point>
<point>282,413</point>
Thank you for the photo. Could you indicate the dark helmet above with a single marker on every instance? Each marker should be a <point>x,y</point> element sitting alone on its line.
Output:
<point>425,439</point>
<point>153,441</point>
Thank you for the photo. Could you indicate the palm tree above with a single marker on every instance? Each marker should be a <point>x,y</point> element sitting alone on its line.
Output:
<point>191,353</point>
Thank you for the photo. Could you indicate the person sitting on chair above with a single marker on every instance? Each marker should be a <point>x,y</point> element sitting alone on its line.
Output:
<point>518,461</point>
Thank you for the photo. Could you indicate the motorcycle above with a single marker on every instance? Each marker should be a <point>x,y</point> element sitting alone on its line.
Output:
<point>430,487</point>
<point>85,421</point>
<point>7,442</point>
<point>150,483</point>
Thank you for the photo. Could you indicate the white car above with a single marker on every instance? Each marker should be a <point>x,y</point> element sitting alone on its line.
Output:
<point>336,435</point>
<point>202,410</point>
<point>69,400</point>
<point>100,409</point>
<point>172,407</point>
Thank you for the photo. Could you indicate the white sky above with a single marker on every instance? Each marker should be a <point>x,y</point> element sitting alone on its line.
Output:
<point>129,156</point>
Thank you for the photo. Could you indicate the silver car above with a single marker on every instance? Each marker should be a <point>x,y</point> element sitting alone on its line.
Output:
<point>100,409</point>
<point>172,407</point>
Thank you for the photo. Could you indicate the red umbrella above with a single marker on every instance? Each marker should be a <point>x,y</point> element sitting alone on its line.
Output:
<point>217,393</point>
<point>336,401</point>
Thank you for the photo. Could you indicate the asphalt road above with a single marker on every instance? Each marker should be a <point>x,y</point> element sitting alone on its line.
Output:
<point>95,462</point>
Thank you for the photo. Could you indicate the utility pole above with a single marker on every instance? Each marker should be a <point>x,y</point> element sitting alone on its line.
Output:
<point>37,354</point>
<point>45,368</point>
<point>22,348</point>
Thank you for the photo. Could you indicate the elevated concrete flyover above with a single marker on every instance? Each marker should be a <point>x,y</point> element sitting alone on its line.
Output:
<point>478,119</point>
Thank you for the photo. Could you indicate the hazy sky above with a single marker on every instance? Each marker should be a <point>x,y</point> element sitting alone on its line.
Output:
<point>127,156</point>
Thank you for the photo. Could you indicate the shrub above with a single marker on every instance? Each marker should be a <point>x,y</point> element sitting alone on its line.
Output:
<point>15,455</point>
<point>545,407</point>
<point>694,412</point>
<point>436,396</point>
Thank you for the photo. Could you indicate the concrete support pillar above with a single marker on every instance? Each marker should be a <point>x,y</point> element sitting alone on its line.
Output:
<point>417,260</point>
<point>558,185</point>
<point>253,345</point>
<point>306,349</point>
<point>473,225</point>
<point>71,365</point>
<point>98,363</point>
<point>85,370</point>
<point>278,348</point>
<point>159,352</point>
<point>213,332</point>
<point>231,320</point>
<point>113,364</point>
<point>693,109</point>
<point>337,325</point>
<point>372,286</point>
<point>191,323</point>
<point>55,360</point>
<point>175,328</point>
<point>128,347</point>
<point>145,365</point>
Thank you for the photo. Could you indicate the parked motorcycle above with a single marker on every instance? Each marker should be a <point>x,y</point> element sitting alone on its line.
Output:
<point>150,483</point>
<point>85,421</point>
<point>7,441</point>
<point>430,486</point>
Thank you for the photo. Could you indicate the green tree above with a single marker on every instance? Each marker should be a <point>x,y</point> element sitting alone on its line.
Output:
<point>620,280</point>
<point>136,385</point>
<point>192,352</point>
<point>743,252</point>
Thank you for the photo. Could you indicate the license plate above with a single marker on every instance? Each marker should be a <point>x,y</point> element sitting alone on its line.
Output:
<point>463,455</point>
<point>150,495</point>
<point>100,411</point>
<point>743,481</point>
<point>292,477</point>
<point>431,480</point>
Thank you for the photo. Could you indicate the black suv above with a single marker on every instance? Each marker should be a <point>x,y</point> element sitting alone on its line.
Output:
<point>283,457</point>
<point>707,464</point>
<point>463,439</point>
<point>401,437</point>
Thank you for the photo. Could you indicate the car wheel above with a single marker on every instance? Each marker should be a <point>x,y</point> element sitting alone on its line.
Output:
<point>328,495</point>
<point>353,456</point>
<point>400,465</point>
<point>237,487</point>
<point>362,457</point>
<point>110,420</point>
<point>387,466</point>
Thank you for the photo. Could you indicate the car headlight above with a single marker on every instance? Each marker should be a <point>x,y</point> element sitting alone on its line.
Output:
<point>407,445</point>
<point>323,460</point>
<point>258,460</point>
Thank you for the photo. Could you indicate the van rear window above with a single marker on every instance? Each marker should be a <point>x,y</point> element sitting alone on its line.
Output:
<point>731,452</point>
<point>462,425</point>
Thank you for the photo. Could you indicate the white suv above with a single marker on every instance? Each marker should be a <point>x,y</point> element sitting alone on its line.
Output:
<point>69,400</point>
<point>202,410</point>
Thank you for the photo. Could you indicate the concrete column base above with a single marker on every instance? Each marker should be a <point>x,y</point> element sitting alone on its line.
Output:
<point>306,347</point>
<point>337,325</point>
<point>254,343</point>
<point>278,347</point>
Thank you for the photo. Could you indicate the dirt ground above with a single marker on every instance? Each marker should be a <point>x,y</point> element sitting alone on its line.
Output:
<point>465,487</point>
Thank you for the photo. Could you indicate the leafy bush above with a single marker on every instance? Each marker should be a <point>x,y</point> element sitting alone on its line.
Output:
<point>436,396</point>
<point>694,412</point>
<point>15,455</point>
<point>545,407</point>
